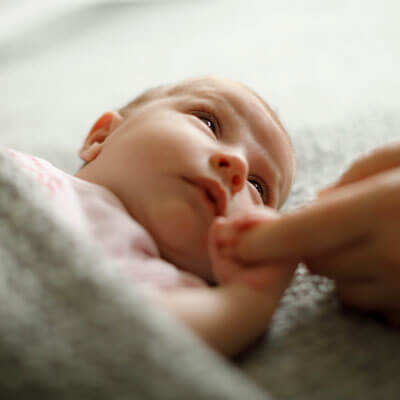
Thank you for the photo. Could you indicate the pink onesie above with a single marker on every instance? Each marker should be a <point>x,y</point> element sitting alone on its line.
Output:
<point>100,216</point>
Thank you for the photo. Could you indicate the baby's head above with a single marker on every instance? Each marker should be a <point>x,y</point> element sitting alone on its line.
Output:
<point>182,154</point>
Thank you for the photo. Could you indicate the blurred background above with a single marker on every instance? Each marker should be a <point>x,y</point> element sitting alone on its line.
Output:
<point>318,63</point>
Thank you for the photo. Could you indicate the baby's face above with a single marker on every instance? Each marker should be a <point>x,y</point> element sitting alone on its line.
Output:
<point>208,147</point>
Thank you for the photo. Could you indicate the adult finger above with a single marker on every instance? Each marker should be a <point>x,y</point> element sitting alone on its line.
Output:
<point>272,277</point>
<point>364,295</point>
<point>349,264</point>
<point>335,221</point>
<point>379,160</point>
<point>392,318</point>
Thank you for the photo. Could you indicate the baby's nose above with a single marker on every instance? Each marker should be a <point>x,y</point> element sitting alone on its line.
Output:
<point>232,168</point>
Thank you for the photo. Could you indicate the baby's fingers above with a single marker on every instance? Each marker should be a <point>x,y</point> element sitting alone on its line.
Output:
<point>274,277</point>
<point>223,268</point>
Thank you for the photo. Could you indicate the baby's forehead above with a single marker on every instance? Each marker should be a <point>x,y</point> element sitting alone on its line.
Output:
<point>233,92</point>
<point>203,87</point>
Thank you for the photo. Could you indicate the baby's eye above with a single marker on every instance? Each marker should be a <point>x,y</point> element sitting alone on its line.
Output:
<point>260,189</point>
<point>209,121</point>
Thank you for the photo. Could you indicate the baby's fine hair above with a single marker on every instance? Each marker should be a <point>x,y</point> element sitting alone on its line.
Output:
<point>165,90</point>
<point>144,97</point>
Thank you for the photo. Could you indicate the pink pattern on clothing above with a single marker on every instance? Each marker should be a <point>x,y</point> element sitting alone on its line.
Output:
<point>39,170</point>
<point>99,216</point>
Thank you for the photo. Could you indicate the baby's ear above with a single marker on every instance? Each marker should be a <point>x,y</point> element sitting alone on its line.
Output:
<point>94,141</point>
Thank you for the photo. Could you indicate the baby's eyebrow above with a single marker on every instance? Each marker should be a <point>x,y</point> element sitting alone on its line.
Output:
<point>202,93</point>
<point>214,97</point>
<point>275,117</point>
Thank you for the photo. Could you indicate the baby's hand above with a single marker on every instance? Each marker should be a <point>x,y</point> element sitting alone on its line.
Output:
<point>271,277</point>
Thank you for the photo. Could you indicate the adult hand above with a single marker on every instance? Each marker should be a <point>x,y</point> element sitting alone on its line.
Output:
<point>379,160</point>
<point>351,234</point>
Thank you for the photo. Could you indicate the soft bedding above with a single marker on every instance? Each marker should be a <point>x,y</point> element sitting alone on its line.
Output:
<point>70,328</point>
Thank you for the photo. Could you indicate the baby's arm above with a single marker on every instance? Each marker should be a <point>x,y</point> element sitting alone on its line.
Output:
<point>231,316</point>
<point>227,317</point>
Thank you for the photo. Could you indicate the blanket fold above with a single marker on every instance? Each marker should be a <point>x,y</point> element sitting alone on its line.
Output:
<point>71,329</point>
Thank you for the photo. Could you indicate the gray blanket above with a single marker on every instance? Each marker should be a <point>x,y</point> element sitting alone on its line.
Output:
<point>71,329</point>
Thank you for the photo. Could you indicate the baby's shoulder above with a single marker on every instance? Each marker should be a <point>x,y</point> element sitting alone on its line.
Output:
<point>42,171</point>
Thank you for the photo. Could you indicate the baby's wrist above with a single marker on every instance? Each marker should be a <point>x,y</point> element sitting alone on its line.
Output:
<point>265,279</point>
<point>240,288</point>
<point>252,301</point>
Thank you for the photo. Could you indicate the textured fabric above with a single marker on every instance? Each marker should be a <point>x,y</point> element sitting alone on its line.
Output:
<point>97,215</point>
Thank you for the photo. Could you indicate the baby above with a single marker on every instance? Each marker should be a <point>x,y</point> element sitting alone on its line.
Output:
<point>161,175</point>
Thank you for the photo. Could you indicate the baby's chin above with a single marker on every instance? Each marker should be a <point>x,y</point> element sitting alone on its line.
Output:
<point>188,257</point>
<point>181,235</point>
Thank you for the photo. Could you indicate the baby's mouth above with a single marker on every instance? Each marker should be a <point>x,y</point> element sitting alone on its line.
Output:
<point>213,192</point>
